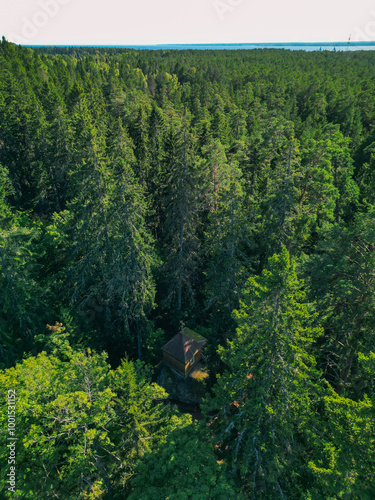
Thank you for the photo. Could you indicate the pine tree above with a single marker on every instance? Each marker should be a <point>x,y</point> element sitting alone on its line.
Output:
<point>22,299</point>
<point>262,403</point>
<point>226,238</point>
<point>342,283</point>
<point>342,461</point>
<point>112,251</point>
<point>182,202</point>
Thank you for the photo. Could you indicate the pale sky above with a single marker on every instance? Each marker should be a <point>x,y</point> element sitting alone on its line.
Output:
<point>133,22</point>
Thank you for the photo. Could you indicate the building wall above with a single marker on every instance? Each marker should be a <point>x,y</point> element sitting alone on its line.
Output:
<point>197,357</point>
<point>178,364</point>
<point>174,362</point>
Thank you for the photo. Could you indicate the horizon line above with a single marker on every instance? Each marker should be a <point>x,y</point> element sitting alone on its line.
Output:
<point>120,45</point>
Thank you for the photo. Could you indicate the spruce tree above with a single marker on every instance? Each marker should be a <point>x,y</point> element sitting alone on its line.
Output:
<point>263,402</point>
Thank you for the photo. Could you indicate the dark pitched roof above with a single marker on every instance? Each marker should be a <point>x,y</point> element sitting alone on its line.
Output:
<point>183,346</point>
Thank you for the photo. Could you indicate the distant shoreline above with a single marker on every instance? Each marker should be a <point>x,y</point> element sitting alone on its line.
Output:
<point>249,44</point>
<point>306,46</point>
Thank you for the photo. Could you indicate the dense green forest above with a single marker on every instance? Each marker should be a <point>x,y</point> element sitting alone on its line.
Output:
<point>229,191</point>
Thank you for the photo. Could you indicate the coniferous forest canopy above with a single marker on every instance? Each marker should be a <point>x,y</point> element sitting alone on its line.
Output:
<point>229,191</point>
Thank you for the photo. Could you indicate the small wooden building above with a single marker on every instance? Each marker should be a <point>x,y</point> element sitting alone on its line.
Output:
<point>184,351</point>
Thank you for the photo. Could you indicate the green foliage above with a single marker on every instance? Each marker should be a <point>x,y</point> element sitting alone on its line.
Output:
<point>183,467</point>
<point>343,463</point>
<point>142,189</point>
<point>226,239</point>
<point>341,281</point>
<point>21,296</point>
<point>182,202</point>
<point>263,402</point>
<point>81,427</point>
<point>5,191</point>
